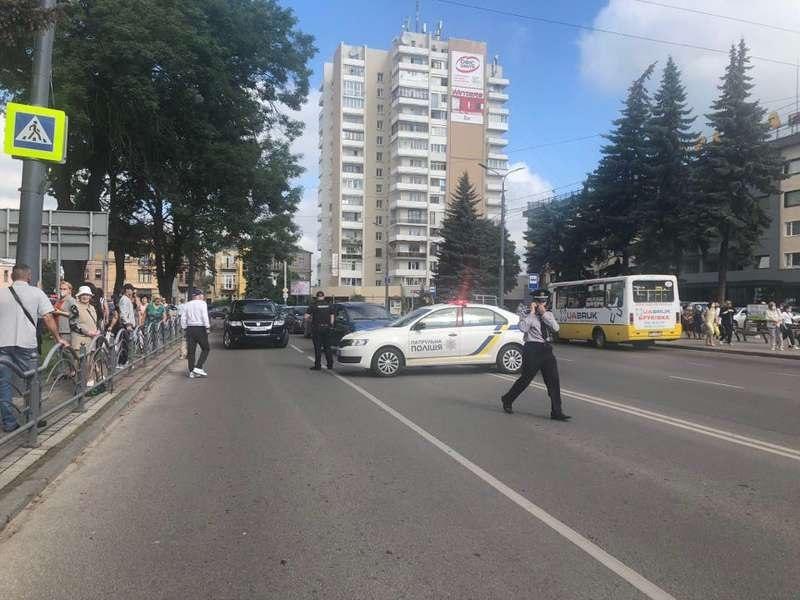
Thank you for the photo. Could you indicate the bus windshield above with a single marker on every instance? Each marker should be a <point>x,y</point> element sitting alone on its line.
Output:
<point>652,291</point>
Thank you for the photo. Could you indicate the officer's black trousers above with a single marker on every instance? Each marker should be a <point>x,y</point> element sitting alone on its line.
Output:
<point>538,357</point>
<point>196,336</point>
<point>322,341</point>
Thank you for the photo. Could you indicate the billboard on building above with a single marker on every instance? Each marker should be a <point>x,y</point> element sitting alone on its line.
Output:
<point>301,288</point>
<point>466,87</point>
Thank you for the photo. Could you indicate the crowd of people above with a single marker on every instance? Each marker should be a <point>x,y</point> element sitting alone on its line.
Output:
<point>716,324</point>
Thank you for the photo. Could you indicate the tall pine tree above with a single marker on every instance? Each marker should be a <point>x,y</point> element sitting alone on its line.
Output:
<point>617,189</point>
<point>737,168</point>
<point>667,223</point>
<point>458,268</point>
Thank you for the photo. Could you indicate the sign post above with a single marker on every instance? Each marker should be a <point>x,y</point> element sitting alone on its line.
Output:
<point>533,282</point>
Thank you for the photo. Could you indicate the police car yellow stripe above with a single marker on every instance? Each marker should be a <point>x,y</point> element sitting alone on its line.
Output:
<point>486,345</point>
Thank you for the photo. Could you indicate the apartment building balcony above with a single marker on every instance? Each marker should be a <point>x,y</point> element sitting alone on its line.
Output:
<point>409,118</point>
<point>437,190</point>
<point>349,110</point>
<point>502,96</point>
<point>498,81</point>
<point>404,236</point>
<point>496,126</point>
<point>400,186</point>
<point>415,82</point>
<point>407,254</point>
<point>350,273</point>
<point>349,158</point>
<point>497,156</point>
<point>496,141</point>
<point>353,126</point>
<point>409,221</point>
<point>397,150</point>
<point>352,143</point>
<point>415,50</point>
<point>492,200</point>
<point>494,186</point>
<point>346,224</point>
<point>403,100</point>
<point>406,272</point>
<point>408,170</point>
<point>410,135</point>
<point>498,110</point>
<point>395,203</point>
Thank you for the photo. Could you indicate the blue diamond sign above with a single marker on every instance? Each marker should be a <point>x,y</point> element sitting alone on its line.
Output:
<point>35,132</point>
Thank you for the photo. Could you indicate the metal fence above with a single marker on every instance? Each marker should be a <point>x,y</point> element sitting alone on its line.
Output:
<point>67,377</point>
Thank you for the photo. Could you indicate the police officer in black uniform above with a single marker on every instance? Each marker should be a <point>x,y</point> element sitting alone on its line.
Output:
<point>538,327</point>
<point>320,312</point>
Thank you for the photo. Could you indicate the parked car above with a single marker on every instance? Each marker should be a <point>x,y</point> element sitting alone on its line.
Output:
<point>254,322</point>
<point>350,317</point>
<point>218,312</point>
<point>297,322</point>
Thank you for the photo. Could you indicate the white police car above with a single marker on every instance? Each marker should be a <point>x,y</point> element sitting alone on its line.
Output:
<point>442,334</point>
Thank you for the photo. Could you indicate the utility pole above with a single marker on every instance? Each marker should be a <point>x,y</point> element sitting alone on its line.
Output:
<point>34,172</point>
<point>502,274</point>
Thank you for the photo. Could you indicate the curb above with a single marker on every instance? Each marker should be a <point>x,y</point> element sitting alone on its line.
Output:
<point>32,473</point>
<point>718,350</point>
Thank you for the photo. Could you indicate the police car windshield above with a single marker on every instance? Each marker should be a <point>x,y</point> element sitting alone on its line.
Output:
<point>258,307</point>
<point>410,317</point>
<point>367,312</point>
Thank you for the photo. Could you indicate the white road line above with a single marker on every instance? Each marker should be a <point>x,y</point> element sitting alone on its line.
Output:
<point>727,385</point>
<point>638,581</point>
<point>721,434</point>
<point>688,362</point>
<point>782,373</point>
<point>300,350</point>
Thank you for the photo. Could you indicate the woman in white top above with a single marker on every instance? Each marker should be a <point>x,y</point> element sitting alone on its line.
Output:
<point>786,327</point>
<point>774,319</point>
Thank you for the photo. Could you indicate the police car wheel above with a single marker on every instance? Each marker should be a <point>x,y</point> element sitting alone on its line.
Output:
<point>509,359</point>
<point>387,362</point>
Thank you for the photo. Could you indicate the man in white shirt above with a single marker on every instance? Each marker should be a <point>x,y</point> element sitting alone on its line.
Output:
<point>194,321</point>
<point>21,306</point>
<point>128,320</point>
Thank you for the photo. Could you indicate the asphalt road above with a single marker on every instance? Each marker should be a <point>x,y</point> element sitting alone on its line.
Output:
<point>679,476</point>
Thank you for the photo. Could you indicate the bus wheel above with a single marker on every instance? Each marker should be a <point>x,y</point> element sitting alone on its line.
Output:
<point>599,338</point>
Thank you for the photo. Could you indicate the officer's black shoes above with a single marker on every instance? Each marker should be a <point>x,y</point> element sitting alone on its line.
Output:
<point>315,368</point>
<point>560,417</point>
<point>507,406</point>
<point>330,367</point>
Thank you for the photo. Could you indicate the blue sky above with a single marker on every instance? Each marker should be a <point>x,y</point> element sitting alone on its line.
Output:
<point>565,83</point>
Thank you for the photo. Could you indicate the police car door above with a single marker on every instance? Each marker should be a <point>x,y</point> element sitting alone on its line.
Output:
<point>480,333</point>
<point>435,335</point>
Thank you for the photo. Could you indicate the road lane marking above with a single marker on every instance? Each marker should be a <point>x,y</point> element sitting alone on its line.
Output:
<point>782,373</point>
<point>705,381</point>
<point>300,350</point>
<point>638,581</point>
<point>688,362</point>
<point>721,434</point>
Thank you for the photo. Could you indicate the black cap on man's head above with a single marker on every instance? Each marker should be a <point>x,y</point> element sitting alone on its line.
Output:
<point>540,295</point>
<point>320,294</point>
<point>128,286</point>
<point>196,292</point>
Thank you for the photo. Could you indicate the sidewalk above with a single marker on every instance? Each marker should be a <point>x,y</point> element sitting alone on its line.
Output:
<point>748,348</point>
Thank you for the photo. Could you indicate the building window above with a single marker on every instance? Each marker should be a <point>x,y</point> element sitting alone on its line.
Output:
<point>378,188</point>
<point>378,252</point>
<point>791,199</point>
<point>379,235</point>
<point>145,276</point>
<point>379,282</point>
<point>762,261</point>
<point>379,156</point>
<point>792,260</point>
<point>440,115</point>
<point>380,77</point>
<point>353,88</point>
<point>409,92</point>
<point>792,228</point>
<point>378,172</point>
<point>353,184</point>
<point>98,273</point>
<point>438,131</point>
<point>5,276</point>
<point>439,166</point>
<point>379,140</point>
<point>379,220</point>
<point>379,92</point>
<point>356,136</point>
<point>379,124</point>
<point>349,102</point>
<point>437,64</point>
<point>378,268</point>
<point>228,281</point>
<point>413,265</point>
<point>378,203</point>
<point>439,148</point>
<point>354,70</point>
<point>792,167</point>
<point>350,168</point>
<point>380,109</point>
<point>436,199</point>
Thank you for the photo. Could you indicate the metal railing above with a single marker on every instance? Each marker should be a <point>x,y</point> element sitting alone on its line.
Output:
<point>67,377</point>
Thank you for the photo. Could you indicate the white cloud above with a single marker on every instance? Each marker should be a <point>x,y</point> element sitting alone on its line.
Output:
<point>610,62</point>
<point>521,188</point>
<point>10,175</point>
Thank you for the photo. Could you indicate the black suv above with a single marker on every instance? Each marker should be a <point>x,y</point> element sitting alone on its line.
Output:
<point>254,321</point>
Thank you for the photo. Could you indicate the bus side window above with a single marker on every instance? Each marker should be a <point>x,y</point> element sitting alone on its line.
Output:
<point>614,293</point>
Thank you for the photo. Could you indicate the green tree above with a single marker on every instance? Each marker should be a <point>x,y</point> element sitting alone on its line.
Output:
<point>618,187</point>
<point>737,168</point>
<point>666,220</point>
<point>489,265</point>
<point>458,268</point>
<point>557,244</point>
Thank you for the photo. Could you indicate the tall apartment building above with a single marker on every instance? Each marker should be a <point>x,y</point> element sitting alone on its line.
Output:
<point>397,129</point>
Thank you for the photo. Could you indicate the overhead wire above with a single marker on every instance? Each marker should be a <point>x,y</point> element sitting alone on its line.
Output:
<point>632,36</point>
<point>719,16</point>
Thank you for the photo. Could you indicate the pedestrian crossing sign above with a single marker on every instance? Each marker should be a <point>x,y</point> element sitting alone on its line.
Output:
<point>36,132</point>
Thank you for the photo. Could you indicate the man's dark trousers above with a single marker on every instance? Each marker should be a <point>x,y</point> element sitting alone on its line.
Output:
<point>322,340</point>
<point>196,335</point>
<point>536,357</point>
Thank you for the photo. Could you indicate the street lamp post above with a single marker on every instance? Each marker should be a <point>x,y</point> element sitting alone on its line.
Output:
<point>502,274</point>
